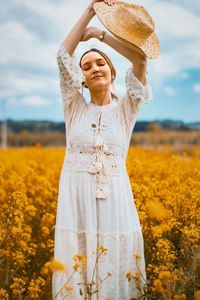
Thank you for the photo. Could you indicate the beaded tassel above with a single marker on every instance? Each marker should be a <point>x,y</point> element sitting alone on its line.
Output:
<point>98,140</point>
<point>99,166</point>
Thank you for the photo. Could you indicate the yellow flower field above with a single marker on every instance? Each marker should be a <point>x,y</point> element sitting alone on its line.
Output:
<point>166,188</point>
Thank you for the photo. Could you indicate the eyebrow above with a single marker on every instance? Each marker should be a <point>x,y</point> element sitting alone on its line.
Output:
<point>99,59</point>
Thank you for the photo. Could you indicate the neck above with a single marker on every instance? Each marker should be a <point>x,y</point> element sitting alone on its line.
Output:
<point>101,97</point>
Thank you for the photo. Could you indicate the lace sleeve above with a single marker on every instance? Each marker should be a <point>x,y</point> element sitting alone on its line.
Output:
<point>71,78</point>
<point>136,90</point>
<point>136,93</point>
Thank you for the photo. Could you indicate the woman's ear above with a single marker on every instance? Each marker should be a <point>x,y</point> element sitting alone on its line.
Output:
<point>84,85</point>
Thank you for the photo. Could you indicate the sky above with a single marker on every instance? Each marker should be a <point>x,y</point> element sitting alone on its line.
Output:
<point>30,35</point>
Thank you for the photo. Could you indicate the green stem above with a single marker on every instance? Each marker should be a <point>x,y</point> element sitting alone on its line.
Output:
<point>64,284</point>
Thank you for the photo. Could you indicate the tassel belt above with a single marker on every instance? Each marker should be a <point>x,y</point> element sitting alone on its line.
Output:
<point>102,162</point>
<point>88,162</point>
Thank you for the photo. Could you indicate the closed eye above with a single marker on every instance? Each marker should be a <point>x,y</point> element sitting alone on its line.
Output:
<point>100,62</point>
<point>86,68</point>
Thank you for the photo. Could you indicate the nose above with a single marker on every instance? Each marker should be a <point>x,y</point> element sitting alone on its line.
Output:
<point>95,69</point>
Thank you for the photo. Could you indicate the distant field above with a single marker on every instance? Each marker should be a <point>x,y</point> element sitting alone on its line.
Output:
<point>166,188</point>
<point>155,136</point>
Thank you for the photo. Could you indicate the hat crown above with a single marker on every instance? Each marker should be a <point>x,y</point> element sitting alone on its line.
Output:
<point>131,24</point>
<point>138,21</point>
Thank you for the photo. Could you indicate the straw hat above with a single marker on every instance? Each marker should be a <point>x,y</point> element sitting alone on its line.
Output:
<point>131,24</point>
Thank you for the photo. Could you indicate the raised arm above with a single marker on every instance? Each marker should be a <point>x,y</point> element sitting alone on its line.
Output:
<point>74,36</point>
<point>139,61</point>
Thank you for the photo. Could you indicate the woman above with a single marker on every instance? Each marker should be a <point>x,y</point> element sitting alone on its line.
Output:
<point>95,203</point>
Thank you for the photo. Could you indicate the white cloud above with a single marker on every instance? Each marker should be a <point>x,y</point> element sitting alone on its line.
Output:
<point>16,84</point>
<point>168,90</point>
<point>34,101</point>
<point>28,101</point>
<point>64,11</point>
<point>176,20</point>
<point>196,88</point>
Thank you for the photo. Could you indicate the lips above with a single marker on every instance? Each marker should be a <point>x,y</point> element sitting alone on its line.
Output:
<point>96,76</point>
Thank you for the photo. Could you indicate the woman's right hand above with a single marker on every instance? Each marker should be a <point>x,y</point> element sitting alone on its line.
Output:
<point>90,32</point>
<point>109,2</point>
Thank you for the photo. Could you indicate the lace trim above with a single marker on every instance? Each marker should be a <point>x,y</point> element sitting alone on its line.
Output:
<point>59,227</point>
<point>70,72</point>
<point>90,164</point>
<point>136,89</point>
<point>85,149</point>
<point>82,157</point>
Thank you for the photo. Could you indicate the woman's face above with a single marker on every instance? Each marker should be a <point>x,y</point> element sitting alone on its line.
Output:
<point>96,70</point>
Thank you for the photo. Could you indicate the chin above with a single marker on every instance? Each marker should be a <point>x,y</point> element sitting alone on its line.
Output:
<point>99,83</point>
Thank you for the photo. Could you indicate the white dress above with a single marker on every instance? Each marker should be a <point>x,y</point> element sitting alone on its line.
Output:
<point>95,202</point>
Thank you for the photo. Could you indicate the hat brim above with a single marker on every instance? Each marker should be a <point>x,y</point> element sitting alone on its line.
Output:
<point>150,48</point>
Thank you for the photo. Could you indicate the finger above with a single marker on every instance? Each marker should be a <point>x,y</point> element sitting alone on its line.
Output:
<point>111,2</point>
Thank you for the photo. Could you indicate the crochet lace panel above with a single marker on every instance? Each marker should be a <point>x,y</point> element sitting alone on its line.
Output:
<point>136,89</point>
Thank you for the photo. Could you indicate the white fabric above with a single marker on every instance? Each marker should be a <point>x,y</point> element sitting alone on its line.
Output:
<point>95,202</point>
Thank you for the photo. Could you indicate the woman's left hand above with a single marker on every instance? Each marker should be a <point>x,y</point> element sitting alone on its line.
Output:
<point>109,2</point>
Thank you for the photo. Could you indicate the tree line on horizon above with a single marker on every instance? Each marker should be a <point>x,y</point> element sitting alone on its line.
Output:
<point>145,134</point>
<point>16,126</point>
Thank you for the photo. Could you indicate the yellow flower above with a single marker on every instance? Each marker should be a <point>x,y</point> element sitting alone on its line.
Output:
<point>197,295</point>
<point>102,248</point>
<point>137,276</point>
<point>57,265</point>
<point>129,276</point>
<point>80,261</point>
<point>3,294</point>
<point>52,266</point>
<point>68,287</point>
<point>157,285</point>
<point>165,275</point>
<point>18,286</point>
<point>180,297</point>
<point>157,230</point>
<point>136,256</point>
<point>45,231</point>
<point>157,210</point>
<point>16,230</point>
<point>76,266</point>
<point>35,287</point>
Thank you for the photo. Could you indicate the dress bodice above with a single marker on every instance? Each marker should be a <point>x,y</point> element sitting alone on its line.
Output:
<point>94,119</point>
